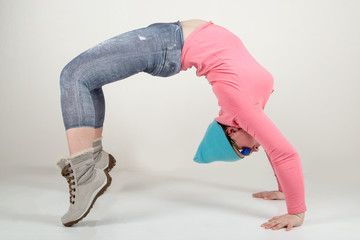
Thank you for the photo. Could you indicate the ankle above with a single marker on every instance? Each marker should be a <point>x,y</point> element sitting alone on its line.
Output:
<point>97,145</point>
<point>82,155</point>
<point>81,152</point>
<point>96,139</point>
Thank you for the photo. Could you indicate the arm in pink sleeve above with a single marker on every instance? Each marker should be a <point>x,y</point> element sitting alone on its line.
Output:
<point>283,157</point>
<point>279,185</point>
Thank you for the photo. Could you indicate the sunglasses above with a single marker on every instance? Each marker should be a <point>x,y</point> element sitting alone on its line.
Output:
<point>244,151</point>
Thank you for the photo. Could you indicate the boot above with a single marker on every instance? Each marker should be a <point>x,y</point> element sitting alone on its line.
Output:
<point>103,160</point>
<point>86,184</point>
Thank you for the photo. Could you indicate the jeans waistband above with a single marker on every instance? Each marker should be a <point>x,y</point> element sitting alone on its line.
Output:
<point>175,23</point>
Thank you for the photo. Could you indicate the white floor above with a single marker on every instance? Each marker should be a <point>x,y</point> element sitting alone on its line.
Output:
<point>174,205</point>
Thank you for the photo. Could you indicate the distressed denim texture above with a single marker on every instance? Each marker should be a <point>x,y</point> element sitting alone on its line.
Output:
<point>155,49</point>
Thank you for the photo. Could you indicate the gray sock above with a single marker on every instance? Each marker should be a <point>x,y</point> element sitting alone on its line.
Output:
<point>97,145</point>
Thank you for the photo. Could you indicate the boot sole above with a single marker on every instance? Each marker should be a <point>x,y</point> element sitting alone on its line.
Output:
<point>112,163</point>
<point>101,192</point>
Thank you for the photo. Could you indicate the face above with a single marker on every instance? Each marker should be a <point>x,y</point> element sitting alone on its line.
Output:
<point>242,139</point>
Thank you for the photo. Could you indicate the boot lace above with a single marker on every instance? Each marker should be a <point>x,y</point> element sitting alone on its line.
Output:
<point>66,172</point>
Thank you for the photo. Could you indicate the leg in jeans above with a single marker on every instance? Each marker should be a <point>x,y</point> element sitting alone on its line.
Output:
<point>143,50</point>
<point>155,50</point>
<point>82,138</point>
<point>97,96</point>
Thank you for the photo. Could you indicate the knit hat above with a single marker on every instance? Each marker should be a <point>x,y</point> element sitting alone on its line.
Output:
<point>215,146</point>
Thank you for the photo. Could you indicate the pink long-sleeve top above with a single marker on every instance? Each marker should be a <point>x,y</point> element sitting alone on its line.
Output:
<point>242,87</point>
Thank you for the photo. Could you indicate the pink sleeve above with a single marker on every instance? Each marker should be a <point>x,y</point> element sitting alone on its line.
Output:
<point>235,102</point>
<point>279,185</point>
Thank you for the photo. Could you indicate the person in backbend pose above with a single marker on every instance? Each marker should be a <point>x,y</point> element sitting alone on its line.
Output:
<point>241,85</point>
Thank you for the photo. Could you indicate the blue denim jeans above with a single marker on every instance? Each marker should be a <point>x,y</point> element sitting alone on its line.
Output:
<point>155,49</point>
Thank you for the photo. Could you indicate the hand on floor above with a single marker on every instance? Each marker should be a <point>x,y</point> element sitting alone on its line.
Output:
<point>287,221</point>
<point>270,195</point>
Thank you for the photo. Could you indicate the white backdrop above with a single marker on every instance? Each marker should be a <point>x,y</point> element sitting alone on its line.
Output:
<point>311,47</point>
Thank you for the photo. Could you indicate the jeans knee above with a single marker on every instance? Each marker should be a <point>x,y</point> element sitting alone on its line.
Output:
<point>72,75</point>
<point>65,76</point>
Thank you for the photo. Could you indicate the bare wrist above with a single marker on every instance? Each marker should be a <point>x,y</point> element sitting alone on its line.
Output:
<point>300,215</point>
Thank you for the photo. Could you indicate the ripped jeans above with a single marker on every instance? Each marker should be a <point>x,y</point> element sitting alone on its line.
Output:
<point>155,49</point>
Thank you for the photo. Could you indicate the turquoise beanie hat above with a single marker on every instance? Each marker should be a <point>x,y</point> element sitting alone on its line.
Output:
<point>215,146</point>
